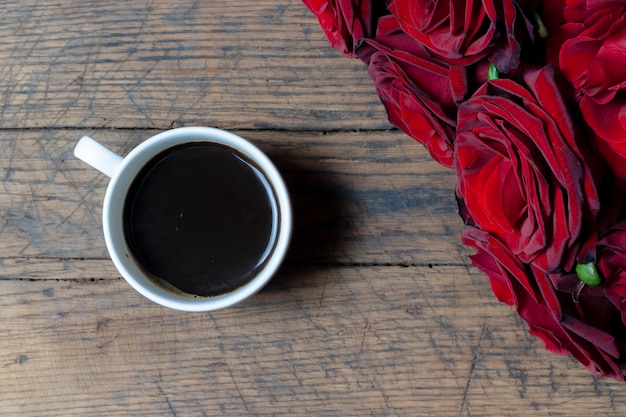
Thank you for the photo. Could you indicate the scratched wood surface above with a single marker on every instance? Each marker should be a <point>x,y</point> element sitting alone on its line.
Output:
<point>376,311</point>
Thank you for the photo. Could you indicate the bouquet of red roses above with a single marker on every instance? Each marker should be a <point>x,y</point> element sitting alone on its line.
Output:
<point>526,101</point>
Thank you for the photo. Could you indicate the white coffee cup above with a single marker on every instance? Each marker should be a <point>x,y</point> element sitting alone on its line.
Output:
<point>123,171</point>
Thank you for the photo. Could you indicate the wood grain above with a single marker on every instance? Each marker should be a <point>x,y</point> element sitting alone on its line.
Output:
<point>375,312</point>
<point>332,341</point>
<point>160,64</point>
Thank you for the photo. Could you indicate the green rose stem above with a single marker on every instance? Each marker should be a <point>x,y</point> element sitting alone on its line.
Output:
<point>493,73</point>
<point>588,275</point>
<point>542,30</point>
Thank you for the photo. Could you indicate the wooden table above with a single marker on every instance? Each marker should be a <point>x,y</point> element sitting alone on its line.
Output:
<point>376,311</point>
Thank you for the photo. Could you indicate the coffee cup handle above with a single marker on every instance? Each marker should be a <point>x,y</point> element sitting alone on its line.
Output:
<point>98,156</point>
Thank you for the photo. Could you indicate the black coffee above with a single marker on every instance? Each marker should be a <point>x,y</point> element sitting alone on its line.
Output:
<point>199,216</point>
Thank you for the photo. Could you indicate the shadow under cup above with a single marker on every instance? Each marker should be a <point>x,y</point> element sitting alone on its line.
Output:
<point>197,223</point>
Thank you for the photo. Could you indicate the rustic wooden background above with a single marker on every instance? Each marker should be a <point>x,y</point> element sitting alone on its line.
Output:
<point>376,311</point>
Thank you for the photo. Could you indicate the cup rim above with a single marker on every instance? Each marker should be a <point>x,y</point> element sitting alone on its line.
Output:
<point>113,212</point>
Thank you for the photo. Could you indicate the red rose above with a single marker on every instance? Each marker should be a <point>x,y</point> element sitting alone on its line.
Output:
<point>551,12</point>
<point>420,93</point>
<point>347,22</point>
<point>592,55</point>
<point>521,175</point>
<point>611,252</point>
<point>465,32</point>
<point>591,330</point>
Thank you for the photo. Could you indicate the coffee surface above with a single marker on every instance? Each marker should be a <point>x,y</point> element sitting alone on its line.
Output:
<point>199,216</point>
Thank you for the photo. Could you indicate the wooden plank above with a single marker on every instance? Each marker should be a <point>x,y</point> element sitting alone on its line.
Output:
<point>359,198</point>
<point>330,341</point>
<point>376,311</point>
<point>166,63</point>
